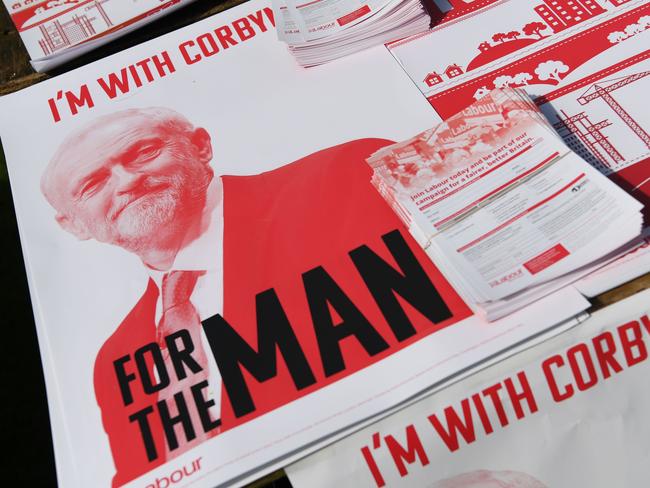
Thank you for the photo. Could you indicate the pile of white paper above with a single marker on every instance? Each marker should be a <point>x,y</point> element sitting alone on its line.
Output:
<point>320,31</point>
<point>56,31</point>
<point>503,207</point>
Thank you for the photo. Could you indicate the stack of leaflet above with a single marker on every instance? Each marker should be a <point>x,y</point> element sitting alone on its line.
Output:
<point>320,31</point>
<point>502,206</point>
<point>56,31</point>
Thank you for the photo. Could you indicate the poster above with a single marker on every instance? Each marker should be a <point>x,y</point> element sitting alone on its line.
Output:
<point>583,62</point>
<point>567,412</point>
<point>189,192</point>
<point>55,31</point>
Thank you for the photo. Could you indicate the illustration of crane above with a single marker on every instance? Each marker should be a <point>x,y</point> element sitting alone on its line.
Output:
<point>590,135</point>
<point>603,90</point>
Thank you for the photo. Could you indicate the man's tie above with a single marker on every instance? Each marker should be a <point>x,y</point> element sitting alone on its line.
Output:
<point>178,313</point>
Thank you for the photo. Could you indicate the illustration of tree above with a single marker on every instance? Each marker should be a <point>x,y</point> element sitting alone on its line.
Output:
<point>503,81</point>
<point>634,29</point>
<point>499,37</point>
<point>645,21</point>
<point>513,35</point>
<point>534,29</point>
<point>616,36</point>
<point>551,70</point>
<point>522,78</point>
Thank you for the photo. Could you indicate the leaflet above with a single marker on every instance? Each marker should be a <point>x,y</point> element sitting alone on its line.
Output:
<point>585,64</point>
<point>445,173</point>
<point>321,18</point>
<point>561,219</point>
<point>318,32</point>
<point>504,204</point>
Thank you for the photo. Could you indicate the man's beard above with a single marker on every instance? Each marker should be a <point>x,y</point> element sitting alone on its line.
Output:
<point>161,219</point>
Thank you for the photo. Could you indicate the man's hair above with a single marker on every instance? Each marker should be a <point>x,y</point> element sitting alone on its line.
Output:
<point>167,119</point>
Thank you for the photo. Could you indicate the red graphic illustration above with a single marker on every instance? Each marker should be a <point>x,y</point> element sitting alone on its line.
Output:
<point>603,90</point>
<point>558,15</point>
<point>630,30</point>
<point>453,70</point>
<point>591,144</point>
<point>562,14</point>
<point>437,153</point>
<point>547,66</point>
<point>42,11</point>
<point>490,479</point>
<point>59,35</point>
<point>588,138</point>
<point>433,78</point>
<point>141,179</point>
<point>504,44</point>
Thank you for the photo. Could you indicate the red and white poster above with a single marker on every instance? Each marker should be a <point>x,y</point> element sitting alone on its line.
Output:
<point>585,64</point>
<point>216,283</point>
<point>50,29</point>
<point>571,411</point>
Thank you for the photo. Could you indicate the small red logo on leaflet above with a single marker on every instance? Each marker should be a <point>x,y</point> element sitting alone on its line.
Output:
<point>546,259</point>
<point>507,278</point>
<point>346,19</point>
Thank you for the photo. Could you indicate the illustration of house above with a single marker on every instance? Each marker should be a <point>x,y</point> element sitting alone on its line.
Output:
<point>562,14</point>
<point>433,79</point>
<point>453,70</point>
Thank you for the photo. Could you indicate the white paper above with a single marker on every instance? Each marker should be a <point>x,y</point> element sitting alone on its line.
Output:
<point>585,425</point>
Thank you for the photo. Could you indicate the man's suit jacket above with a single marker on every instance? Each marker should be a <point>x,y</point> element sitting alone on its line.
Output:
<point>277,225</point>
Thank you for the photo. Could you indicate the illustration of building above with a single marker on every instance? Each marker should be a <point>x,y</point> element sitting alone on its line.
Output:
<point>59,34</point>
<point>484,46</point>
<point>433,79</point>
<point>618,2</point>
<point>453,70</point>
<point>588,140</point>
<point>562,14</point>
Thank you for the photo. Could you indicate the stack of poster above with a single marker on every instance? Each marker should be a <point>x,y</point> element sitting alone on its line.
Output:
<point>212,302</point>
<point>584,63</point>
<point>504,208</point>
<point>320,31</point>
<point>568,412</point>
<point>56,31</point>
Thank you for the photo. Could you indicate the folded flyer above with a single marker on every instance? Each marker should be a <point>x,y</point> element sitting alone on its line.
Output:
<point>501,203</point>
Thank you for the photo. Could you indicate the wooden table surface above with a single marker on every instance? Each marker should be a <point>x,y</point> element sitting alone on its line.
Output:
<point>23,411</point>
